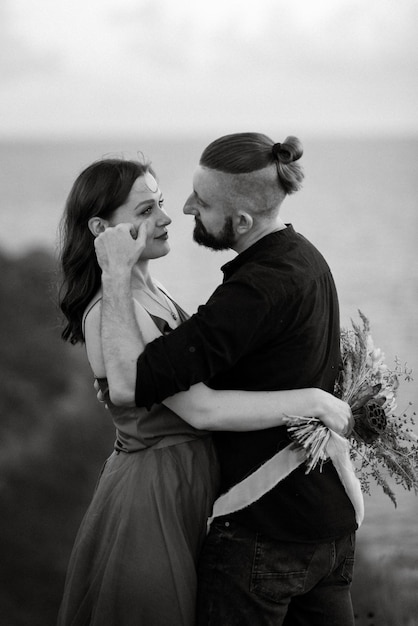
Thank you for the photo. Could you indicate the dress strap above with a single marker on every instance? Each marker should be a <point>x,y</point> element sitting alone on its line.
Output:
<point>183,316</point>
<point>92,304</point>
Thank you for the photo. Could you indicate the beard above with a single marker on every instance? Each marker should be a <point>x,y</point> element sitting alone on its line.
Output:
<point>223,241</point>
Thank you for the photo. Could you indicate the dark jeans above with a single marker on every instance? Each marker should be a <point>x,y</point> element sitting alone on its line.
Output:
<point>249,579</point>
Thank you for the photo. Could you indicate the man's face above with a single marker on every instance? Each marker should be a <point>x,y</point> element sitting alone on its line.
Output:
<point>224,240</point>
<point>210,204</point>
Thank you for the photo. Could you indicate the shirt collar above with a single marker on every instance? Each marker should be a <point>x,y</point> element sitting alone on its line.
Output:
<point>279,240</point>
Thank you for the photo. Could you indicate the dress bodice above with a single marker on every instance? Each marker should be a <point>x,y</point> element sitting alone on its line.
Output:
<point>136,427</point>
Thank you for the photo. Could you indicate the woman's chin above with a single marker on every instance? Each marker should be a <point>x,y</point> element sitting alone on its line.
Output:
<point>159,251</point>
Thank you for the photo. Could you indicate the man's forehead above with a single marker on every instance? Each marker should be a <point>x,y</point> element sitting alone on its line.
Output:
<point>202,173</point>
<point>208,179</point>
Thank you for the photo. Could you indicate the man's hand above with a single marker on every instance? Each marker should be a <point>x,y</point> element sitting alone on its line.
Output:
<point>119,247</point>
<point>100,395</point>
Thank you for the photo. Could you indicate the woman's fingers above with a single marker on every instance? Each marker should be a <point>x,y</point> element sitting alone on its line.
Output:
<point>338,416</point>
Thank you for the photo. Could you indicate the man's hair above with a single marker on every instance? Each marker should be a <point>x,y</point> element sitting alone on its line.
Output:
<point>242,153</point>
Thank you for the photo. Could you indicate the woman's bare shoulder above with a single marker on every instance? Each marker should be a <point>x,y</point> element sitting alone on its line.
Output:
<point>92,335</point>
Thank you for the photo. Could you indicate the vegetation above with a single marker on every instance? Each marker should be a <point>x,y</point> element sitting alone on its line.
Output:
<point>54,438</point>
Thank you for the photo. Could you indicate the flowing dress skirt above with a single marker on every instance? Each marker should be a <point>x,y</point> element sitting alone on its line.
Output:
<point>134,558</point>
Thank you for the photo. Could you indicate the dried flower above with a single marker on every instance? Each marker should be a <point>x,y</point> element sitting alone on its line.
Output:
<point>382,443</point>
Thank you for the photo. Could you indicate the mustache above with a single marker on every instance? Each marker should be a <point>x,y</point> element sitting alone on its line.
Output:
<point>199,224</point>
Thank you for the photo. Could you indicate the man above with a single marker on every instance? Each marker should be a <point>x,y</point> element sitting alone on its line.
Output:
<point>272,324</point>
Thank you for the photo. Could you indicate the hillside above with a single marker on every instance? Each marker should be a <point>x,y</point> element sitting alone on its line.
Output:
<point>54,437</point>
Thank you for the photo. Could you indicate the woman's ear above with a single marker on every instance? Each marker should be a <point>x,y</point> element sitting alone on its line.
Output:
<point>97,225</point>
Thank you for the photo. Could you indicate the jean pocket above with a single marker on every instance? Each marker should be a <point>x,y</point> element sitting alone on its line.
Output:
<point>280,569</point>
<point>347,566</point>
<point>278,587</point>
<point>347,569</point>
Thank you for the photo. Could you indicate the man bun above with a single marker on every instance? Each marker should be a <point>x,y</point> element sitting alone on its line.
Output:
<point>289,151</point>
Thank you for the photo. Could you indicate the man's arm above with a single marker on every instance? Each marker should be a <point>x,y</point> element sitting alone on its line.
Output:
<point>122,342</point>
<point>201,347</point>
<point>202,407</point>
<point>230,325</point>
<point>122,348</point>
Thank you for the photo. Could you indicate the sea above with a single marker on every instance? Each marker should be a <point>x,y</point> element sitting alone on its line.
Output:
<point>358,205</point>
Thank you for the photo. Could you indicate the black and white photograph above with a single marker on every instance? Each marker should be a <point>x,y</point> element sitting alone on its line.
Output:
<point>208,313</point>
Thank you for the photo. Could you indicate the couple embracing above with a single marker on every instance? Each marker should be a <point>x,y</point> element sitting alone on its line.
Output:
<point>199,403</point>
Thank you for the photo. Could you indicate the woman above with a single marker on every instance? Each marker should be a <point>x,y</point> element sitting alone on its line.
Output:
<point>134,557</point>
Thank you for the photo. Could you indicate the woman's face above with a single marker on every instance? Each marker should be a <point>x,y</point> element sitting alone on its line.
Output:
<point>145,202</point>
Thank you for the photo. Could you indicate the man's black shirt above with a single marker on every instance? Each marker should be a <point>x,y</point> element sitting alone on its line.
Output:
<point>273,324</point>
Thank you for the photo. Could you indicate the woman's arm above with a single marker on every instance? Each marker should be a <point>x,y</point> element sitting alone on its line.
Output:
<point>210,409</point>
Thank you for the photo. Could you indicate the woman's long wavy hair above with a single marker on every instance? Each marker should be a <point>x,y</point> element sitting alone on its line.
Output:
<point>98,191</point>
<point>241,153</point>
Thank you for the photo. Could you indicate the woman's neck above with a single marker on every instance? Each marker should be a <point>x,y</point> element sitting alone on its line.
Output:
<point>141,278</point>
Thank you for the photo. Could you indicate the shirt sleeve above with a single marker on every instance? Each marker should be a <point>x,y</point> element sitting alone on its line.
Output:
<point>211,341</point>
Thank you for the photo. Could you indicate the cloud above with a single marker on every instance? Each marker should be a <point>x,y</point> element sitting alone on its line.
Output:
<point>267,34</point>
<point>20,58</point>
<point>105,64</point>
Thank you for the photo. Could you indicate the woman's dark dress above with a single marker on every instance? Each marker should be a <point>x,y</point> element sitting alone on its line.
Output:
<point>133,561</point>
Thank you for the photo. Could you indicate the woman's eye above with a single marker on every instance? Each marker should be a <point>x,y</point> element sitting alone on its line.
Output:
<point>147,211</point>
<point>161,202</point>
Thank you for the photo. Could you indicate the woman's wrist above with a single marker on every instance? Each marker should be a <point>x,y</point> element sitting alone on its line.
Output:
<point>320,402</point>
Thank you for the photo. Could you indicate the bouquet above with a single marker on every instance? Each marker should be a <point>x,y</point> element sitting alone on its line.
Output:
<point>382,443</point>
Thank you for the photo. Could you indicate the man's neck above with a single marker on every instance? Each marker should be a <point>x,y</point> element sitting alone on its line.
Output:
<point>255,234</point>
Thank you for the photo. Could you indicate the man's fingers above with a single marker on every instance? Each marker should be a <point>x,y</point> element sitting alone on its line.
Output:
<point>142,232</point>
<point>101,399</point>
<point>99,393</point>
<point>126,231</point>
<point>116,247</point>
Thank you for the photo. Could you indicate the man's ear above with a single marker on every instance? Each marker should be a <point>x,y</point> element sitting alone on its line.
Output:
<point>97,225</point>
<point>243,222</point>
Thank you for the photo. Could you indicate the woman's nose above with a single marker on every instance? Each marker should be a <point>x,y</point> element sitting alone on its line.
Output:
<point>164,219</point>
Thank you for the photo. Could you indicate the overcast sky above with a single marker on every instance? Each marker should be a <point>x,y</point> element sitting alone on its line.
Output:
<point>74,67</point>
